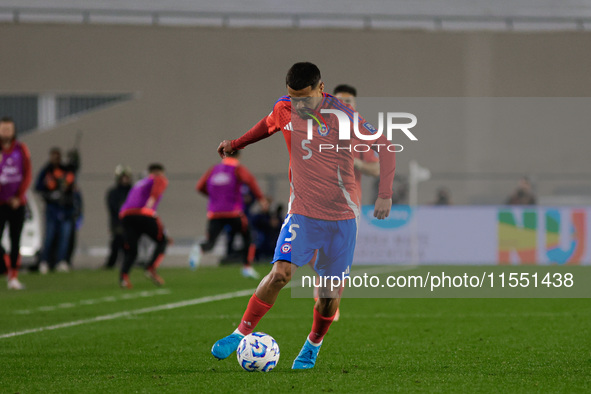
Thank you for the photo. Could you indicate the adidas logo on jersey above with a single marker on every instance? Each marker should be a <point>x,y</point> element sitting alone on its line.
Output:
<point>288,127</point>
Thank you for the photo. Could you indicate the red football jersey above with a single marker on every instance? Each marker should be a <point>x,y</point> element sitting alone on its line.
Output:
<point>321,173</point>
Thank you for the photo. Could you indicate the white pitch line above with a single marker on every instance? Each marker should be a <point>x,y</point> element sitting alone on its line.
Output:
<point>175,305</point>
<point>113,316</point>
<point>65,305</point>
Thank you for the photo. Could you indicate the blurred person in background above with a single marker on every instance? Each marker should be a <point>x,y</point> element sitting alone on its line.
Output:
<point>267,226</point>
<point>77,220</point>
<point>73,164</point>
<point>222,184</point>
<point>442,197</point>
<point>523,195</point>
<point>365,163</point>
<point>138,217</point>
<point>57,183</point>
<point>248,203</point>
<point>115,198</point>
<point>15,178</point>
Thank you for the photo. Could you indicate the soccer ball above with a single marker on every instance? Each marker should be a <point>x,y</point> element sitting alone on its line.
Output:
<point>258,352</point>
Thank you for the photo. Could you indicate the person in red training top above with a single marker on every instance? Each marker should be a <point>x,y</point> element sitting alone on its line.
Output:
<point>15,178</point>
<point>365,163</point>
<point>138,216</point>
<point>323,208</point>
<point>222,184</point>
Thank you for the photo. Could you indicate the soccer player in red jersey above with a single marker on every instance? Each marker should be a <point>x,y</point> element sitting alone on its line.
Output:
<point>323,207</point>
<point>15,178</point>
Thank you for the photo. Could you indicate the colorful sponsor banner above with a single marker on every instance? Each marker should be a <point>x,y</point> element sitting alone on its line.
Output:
<point>475,235</point>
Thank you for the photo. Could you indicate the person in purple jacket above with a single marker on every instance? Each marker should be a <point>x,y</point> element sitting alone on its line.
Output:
<point>221,183</point>
<point>15,178</point>
<point>138,216</point>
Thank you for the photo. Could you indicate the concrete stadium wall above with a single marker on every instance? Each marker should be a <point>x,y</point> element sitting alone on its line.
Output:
<point>196,86</point>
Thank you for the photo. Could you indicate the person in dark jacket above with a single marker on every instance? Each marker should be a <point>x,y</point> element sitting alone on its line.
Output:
<point>115,198</point>
<point>56,184</point>
<point>72,164</point>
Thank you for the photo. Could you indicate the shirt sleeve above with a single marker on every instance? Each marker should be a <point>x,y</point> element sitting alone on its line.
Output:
<point>248,179</point>
<point>27,176</point>
<point>263,129</point>
<point>160,184</point>
<point>387,159</point>
<point>202,183</point>
<point>387,168</point>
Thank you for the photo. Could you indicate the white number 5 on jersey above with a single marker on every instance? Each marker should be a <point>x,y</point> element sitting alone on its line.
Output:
<point>307,149</point>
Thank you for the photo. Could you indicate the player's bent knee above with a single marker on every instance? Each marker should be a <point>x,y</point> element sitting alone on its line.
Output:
<point>279,279</point>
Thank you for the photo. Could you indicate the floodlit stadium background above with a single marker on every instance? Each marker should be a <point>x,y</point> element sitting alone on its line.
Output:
<point>175,77</point>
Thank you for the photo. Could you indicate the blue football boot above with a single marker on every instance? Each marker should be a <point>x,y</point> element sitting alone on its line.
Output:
<point>307,357</point>
<point>226,346</point>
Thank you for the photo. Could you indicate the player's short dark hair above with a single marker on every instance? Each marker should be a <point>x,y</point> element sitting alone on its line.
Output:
<point>155,167</point>
<point>301,75</point>
<point>345,89</point>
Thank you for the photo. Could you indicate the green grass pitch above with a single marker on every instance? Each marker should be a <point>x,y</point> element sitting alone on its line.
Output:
<point>432,345</point>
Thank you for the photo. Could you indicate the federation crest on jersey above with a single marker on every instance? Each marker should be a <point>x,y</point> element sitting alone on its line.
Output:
<point>285,248</point>
<point>323,129</point>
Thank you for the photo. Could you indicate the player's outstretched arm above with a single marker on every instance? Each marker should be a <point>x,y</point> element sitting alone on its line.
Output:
<point>258,132</point>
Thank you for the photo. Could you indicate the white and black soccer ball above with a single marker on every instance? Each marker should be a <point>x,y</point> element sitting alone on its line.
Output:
<point>258,352</point>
